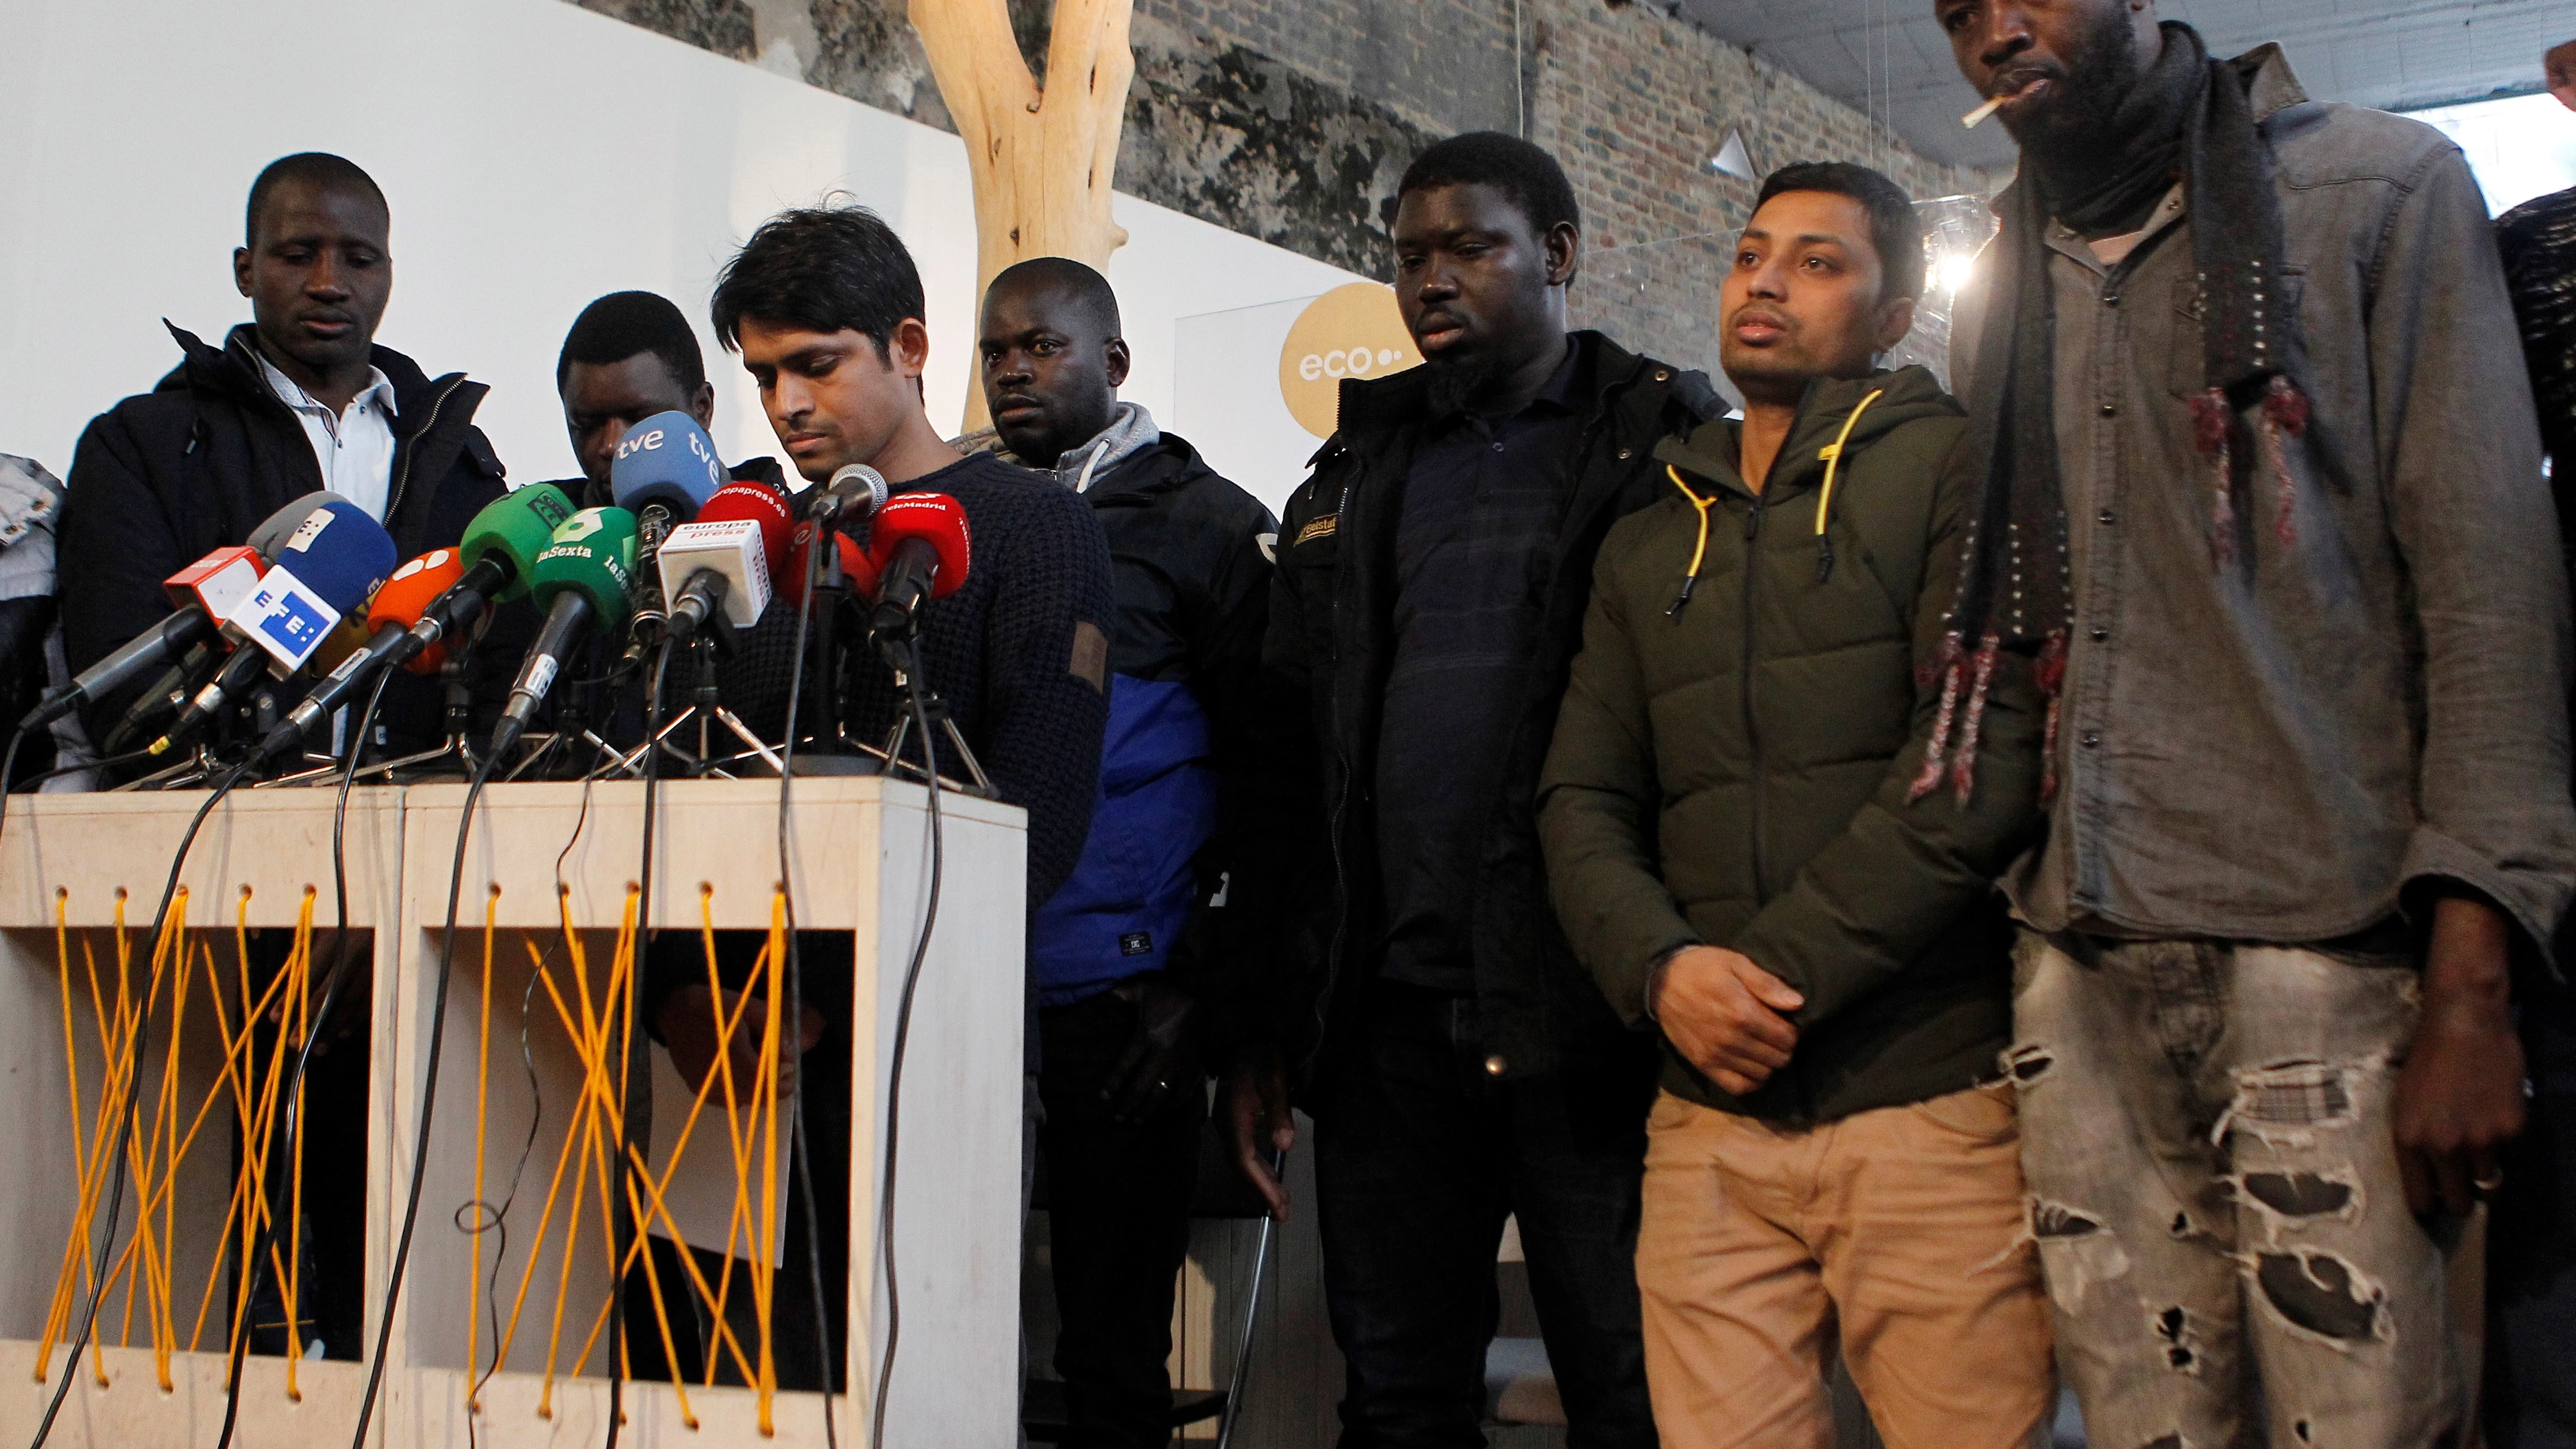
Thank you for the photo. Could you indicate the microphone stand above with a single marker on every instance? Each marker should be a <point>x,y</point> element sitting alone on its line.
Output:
<point>707,712</point>
<point>932,709</point>
<point>831,591</point>
<point>199,767</point>
<point>458,694</point>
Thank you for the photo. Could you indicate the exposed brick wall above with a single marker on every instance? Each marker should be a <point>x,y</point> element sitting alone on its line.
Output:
<point>1291,120</point>
<point>1634,103</point>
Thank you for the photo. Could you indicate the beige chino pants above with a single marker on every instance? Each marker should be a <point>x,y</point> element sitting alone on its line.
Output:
<point>1899,1231</point>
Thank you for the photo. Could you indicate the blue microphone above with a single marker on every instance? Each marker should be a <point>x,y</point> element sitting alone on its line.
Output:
<point>666,461</point>
<point>665,471</point>
<point>325,566</point>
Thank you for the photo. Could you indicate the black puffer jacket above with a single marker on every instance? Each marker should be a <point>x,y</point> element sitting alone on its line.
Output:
<point>1331,641</point>
<point>197,463</point>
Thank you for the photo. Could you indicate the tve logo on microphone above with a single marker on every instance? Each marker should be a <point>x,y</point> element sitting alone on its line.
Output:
<point>640,440</point>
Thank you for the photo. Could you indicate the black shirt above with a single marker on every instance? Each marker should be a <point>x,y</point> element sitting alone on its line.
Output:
<point>1483,500</point>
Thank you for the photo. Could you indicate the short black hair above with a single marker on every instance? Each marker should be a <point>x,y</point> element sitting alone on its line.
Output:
<point>823,268</point>
<point>1510,165</point>
<point>622,324</point>
<point>1089,291</point>
<point>1895,232</point>
<point>313,168</point>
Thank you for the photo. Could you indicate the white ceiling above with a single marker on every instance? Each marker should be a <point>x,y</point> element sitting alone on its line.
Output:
<point>1888,57</point>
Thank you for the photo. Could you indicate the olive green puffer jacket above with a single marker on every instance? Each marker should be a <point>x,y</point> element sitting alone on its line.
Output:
<point>1733,759</point>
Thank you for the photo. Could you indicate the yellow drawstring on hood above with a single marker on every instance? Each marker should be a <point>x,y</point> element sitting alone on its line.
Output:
<point>1831,455</point>
<point>1699,554</point>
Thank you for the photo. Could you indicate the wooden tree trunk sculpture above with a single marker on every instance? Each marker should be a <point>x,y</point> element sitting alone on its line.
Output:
<point>1042,155</point>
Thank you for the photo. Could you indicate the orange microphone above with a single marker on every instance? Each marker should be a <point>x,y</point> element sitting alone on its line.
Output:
<point>397,605</point>
<point>409,593</point>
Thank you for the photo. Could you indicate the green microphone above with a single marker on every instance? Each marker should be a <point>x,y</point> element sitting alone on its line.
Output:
<point>506,537</point>
<point>501,545</point>
<point>584,579</point>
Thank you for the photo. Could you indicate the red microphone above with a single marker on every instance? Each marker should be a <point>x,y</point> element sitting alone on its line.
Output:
<point>856,566</point>
<point>919,544</point>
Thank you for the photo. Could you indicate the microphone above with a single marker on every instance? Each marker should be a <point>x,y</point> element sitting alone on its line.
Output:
<point>407,597</point>
<point>331,560</point>
<point>586,576</point>
<point>274,530</point>
<point>396,607</point>
<point>919,546</point>
<point>216,584</point>
<point>206,593</point>
<point>666,461</point>
<point>501,544</point>
<point>856,567</point>
<point>854,493</point>
<point>725,558</point>
<point>665,470</point>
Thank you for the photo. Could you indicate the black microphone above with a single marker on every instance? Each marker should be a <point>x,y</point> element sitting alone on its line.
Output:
<point>161,701</point>
<point>155,647</point>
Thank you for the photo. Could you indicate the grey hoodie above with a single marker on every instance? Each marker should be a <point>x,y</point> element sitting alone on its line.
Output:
<point>1131,431</point>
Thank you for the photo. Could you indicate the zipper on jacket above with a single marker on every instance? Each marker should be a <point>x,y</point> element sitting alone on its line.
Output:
<point>1341,910</point>
<point>1744,689</point>
<point>402,480</point>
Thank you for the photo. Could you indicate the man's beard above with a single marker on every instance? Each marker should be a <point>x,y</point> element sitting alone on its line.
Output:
<point>2075,134</point>
<point>1457,385</point>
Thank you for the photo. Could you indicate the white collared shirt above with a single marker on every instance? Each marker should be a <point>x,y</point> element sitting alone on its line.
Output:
<point>356,447</point>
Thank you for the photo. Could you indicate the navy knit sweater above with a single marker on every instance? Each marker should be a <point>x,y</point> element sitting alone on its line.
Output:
<point>1003,653</point>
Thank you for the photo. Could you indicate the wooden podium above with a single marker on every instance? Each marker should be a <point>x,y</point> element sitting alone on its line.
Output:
<point>859,852</point>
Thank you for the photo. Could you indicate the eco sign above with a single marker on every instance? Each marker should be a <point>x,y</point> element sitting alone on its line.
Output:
<point>1350,331</point>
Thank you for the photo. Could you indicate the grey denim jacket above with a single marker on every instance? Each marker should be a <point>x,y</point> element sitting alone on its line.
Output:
<point>2276,749</point>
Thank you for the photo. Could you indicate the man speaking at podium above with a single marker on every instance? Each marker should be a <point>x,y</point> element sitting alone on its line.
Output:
<point>825,306</point>
<point>299,399</point>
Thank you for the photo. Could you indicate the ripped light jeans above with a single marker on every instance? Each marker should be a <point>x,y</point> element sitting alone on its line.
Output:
<point>2214,1191</point>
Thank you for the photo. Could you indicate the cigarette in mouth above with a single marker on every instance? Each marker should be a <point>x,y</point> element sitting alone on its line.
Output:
<point>1977,117</point>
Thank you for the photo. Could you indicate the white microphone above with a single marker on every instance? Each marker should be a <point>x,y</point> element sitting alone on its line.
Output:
<point>725,557</point>
<point>703,563</point>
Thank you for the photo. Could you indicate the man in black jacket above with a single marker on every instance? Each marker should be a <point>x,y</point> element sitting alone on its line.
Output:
<point>1121,953</point>
<point>1461,1066</point>
<point>299,399</point>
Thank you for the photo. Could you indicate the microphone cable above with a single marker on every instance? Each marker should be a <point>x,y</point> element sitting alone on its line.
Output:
<point>342,958</point>
<point>135,1047</point>
<point>112,762</point>
<point>903,1032</point>
<point>800,1164</point>
<point>634,1072</point>
<point>8,765</point>
<point>428,1107</point>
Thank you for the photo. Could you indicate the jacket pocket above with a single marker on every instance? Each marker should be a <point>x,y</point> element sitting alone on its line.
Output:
<point>1311,563</point>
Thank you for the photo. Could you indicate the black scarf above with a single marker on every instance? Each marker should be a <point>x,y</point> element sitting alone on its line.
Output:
<point>2188,117</point>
